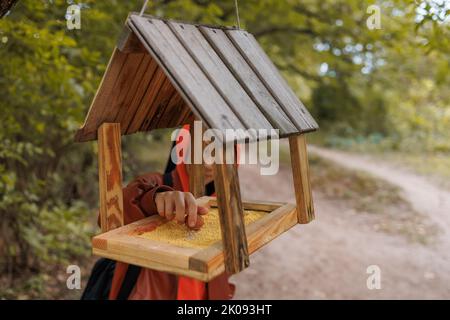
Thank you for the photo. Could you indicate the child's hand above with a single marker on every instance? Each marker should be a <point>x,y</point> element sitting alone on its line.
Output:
<point>182,206</point>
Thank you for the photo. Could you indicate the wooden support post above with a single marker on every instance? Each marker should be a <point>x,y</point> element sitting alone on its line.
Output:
<point>110,176</point>
<point>196,171</point>
<point>300,172</point>
<point>231,215</point>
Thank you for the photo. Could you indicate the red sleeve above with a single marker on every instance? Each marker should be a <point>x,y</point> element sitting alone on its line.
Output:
<point>139,196</point>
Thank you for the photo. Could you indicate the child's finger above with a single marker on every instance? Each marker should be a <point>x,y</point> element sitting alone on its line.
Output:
<point>180,207</point>
<point>199,223</point>
<point>159,199</point>
<point>191,210</point>
<point>202,210</point>
<point>169,208</point>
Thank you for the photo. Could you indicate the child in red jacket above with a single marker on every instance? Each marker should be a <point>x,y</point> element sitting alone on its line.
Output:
<point>167,195</point>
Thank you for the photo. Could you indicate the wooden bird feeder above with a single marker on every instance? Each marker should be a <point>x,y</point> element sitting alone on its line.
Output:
<point>164,74</point>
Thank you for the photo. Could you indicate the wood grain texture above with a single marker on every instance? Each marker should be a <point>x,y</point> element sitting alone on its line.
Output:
<point>220,76</point>
<point>300,172</point>
<point>257,205</point>
<point>259,233</point>
<point>134,106</point>
<point>231,218</point>
<point>184,71</point>
<point>128,42</point>
<point>122,88</point>
<point>174,113</point>
<point>196,171</point>
<point>270,76</point>
<point>147,101</point>
<point>158,106</point>
<point>110,176</point>
<point>144,262</point>
<point>134,95</point>
<point>121,244</point>
<point>105,90</point>
<point>249,80</point>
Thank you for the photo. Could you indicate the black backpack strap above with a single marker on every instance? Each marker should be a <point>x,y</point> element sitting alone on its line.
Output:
<point>167,179</point>
<point>99,283</point>
<point>129,281</point>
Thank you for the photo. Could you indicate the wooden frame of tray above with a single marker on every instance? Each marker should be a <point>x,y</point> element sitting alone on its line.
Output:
<point>123,245</point>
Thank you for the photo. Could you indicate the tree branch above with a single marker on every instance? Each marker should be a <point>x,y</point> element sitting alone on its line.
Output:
<point>5,6</point>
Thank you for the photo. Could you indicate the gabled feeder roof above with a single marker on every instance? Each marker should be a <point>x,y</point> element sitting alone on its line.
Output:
<point>171,73</point>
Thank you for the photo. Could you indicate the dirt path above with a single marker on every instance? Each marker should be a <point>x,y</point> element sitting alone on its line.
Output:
<point>423,195</point>
<point>329,257</point>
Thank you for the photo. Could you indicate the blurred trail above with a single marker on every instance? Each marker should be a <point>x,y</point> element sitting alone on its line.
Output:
<point>424,196</point>
<point>328,258</point>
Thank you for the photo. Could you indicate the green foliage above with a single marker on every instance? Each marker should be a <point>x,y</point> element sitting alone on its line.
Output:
<point>48,76</point>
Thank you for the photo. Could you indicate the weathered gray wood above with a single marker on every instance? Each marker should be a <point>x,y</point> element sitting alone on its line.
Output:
<point>128,42</point>
<point>249,80</point>
<point>184,71</point>
<point>220,76</point>
<point>268,73</point>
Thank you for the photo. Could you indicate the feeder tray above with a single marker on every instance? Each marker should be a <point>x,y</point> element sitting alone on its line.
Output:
<point>129,243</point>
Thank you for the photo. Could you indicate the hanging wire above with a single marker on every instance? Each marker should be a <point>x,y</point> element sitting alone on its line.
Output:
<point>237,13</point>
<point>143,8</point>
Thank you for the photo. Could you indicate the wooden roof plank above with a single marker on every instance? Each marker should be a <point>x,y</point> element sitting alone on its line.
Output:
<point>211,107</point>
<point>158,105</point>
<point>147,101</point>
<point>220,76</point>
<point>144,83</point>
<point>269,74</point>
<point>180,118</point>
<point>129,43</point>
<point>128,107</point>
<point>249,80</point>
<point>174,108</point>
<point>124,85</point>
<point>89,128</point>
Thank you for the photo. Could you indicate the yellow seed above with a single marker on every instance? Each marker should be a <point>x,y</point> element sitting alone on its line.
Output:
<point>178,235</point>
